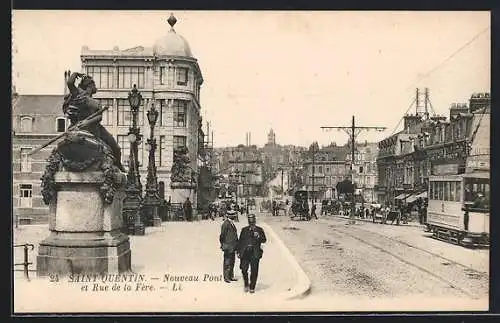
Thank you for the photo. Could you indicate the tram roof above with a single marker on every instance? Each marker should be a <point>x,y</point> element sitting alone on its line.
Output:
<point>459,176</point>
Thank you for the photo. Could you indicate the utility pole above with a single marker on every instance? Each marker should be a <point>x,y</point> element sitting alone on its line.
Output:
<point>353,131</point>
<point>313,166</point>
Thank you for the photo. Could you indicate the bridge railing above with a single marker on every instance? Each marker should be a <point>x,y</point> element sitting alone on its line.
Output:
<point>26,263</point>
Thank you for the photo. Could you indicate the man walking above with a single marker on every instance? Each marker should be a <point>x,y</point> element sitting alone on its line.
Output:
<point>228,242</point>
<point>250,252</point>
<point>313,211</point>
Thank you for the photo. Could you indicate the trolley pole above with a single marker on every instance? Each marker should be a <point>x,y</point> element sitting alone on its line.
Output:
<point>353,131</point>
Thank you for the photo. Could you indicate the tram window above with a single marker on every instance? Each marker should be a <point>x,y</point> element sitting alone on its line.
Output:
<point>468,193</point>
<point>452,192</point>
<point>431,190</point>
<point>458,191</point>
<point>440,190</point>
<point>446,191</point>
<point>477,191</point>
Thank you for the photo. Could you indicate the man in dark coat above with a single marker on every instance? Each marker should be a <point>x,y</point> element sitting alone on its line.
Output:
<point>313,210</point>
<point>250,252</point>
<point>188,210</point>
<point>228,242</point>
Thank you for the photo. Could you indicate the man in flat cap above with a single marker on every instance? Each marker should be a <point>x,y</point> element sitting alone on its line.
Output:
<point>250,252</point>
<point>228,242</point>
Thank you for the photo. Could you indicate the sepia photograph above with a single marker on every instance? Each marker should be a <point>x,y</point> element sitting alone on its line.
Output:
<point>175,161</point>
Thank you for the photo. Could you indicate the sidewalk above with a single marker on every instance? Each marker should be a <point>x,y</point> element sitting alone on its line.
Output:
<point>187,249</point>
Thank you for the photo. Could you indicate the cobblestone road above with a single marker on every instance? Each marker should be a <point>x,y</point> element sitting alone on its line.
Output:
<point>373,261</point>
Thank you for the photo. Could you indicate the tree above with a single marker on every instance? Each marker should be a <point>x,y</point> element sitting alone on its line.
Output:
<point>206,187</point>
<point>345,187</point>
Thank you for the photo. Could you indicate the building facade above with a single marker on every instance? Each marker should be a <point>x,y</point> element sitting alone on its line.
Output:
<point>427,146</point>
<point>168,77</point>
<point>273,157</point>
<point>324,169</point>
<point>365,175</point>
<point>35,120</point>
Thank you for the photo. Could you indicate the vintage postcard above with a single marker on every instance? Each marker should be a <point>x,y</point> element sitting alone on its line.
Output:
<point>250,161</point>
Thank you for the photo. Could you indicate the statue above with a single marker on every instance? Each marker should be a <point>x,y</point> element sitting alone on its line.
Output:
<point>79,104</point>
<point>180,168</point>
<point>84,189</point>
<point>86,146</point>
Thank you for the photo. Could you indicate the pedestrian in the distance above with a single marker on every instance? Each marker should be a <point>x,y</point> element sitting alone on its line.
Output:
<point>313,210</point>
<point>188,210</point>
<point>228,242</point>
<point>250,252</point>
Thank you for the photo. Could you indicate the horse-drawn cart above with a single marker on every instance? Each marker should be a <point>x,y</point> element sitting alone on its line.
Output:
<point>300,207</point>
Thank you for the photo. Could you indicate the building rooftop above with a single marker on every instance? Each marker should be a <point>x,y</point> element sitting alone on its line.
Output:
<point>39,105</point>
<point>172,44</point>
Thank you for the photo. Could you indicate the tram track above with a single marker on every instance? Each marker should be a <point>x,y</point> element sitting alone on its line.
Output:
<point>424,250</point>
<point>386,245</point>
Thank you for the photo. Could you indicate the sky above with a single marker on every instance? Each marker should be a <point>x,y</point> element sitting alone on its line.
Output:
<point>292,71</point>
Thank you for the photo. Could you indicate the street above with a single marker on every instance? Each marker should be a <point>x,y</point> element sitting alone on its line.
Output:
<point>382,261</point>
<point>176,249</point>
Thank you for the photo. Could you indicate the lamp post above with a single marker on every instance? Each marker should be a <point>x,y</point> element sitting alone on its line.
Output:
<point>152,198</point>
<point>235,180</point>
<point>133,200</point>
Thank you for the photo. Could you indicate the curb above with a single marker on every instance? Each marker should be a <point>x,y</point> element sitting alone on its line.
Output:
<point>303,287</point>
<point>370,221</point>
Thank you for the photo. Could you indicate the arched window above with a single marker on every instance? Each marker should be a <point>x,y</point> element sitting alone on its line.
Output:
<point>61,124</point>
<point>26,124</point>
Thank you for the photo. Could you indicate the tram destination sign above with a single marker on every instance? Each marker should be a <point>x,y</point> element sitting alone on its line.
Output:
<point>478,164</point>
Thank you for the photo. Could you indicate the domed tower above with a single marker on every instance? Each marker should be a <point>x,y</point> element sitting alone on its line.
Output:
<point>168,77</point>
<point>176,95</point>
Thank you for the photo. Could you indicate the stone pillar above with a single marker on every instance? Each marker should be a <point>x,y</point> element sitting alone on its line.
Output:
<point>85,235</point>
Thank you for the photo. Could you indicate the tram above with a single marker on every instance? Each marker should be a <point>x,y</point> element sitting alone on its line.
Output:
<point>459,208</point>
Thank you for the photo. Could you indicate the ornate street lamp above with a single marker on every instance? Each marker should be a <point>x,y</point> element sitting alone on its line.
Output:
<point>152,198</point>
<point>133,200</point>
<point>235,179</point>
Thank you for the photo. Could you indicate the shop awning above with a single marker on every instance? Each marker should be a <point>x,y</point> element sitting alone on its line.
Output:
<point>412,198</point>
<point>422,195</point>
<point>401,196</point>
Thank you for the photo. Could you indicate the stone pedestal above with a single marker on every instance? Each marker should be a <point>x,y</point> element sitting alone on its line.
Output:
<point>156,219</point>
<point>85,235</point>
<point>181,191</point>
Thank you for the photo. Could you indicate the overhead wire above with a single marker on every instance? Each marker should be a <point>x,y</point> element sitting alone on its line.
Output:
<point>437,67</point>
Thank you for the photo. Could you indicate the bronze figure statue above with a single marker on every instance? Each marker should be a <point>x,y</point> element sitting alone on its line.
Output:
<point>86,146</point>
<point>79,104</point>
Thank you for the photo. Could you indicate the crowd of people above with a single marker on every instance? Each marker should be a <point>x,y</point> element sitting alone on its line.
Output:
<point>394,212</point>
<point>227,207</point>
